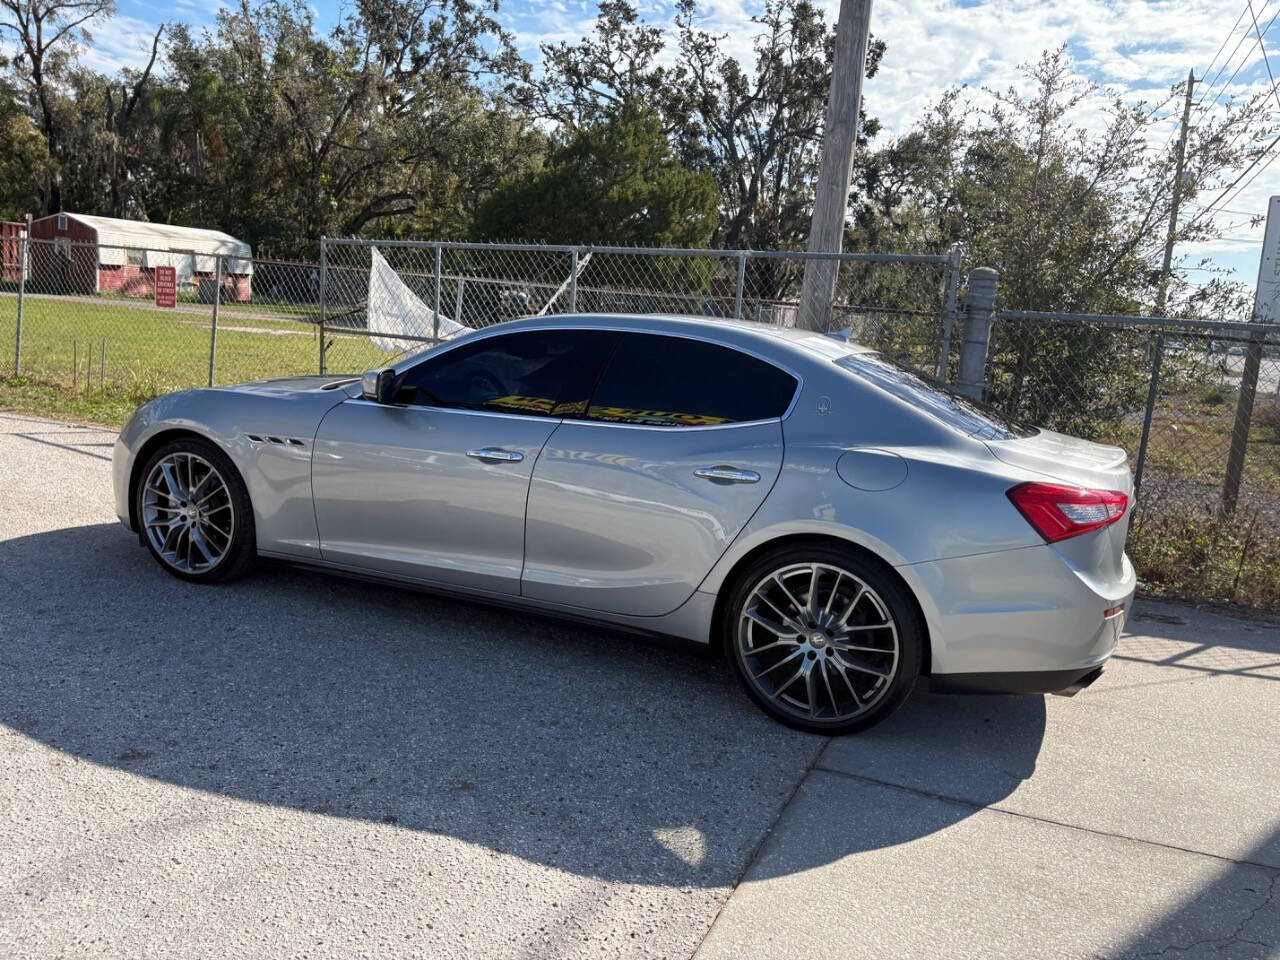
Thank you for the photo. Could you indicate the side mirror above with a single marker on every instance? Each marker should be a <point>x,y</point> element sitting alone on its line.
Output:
<point>379,385</point>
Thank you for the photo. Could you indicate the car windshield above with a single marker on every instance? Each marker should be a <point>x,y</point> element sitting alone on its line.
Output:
<point>978,420</point>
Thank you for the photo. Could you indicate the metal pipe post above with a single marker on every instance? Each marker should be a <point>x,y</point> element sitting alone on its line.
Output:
<point>573,281</point>
<point>979,306</point>
<point>435,312</point>
<point>1244,419</point>
<point>950,310</point>
<point>324,289</point>
<point>742,276</point>
<point>22,290</point>
<point>1153,391</point>
<point>213,329</point>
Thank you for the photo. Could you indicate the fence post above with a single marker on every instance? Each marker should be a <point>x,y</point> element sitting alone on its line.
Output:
<point>950,309</point>
<point>217,300</point>
<point>435,310</point>
<point>324,290</point>
<point>22,291</point>
<point>1244,418</point>
<point>573,281</point>
<point>979,306</point>
<point>742,276</point>
<point>1153,391</point>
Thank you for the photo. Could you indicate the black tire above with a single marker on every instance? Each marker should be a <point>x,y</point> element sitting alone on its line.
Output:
<point>239,556</point>
<point>824,650</point>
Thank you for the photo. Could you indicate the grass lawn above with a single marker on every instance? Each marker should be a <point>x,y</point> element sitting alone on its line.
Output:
<point>149,352</point>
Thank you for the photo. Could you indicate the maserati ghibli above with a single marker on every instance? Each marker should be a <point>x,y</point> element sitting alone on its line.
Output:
<point>832,524</point>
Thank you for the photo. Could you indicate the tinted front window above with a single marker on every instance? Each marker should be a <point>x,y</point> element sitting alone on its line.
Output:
<point>675,382</point>
<point>539,372</point>
<point>976,419</point>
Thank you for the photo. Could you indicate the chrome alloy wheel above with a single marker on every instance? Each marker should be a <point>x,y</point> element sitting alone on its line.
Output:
<point>187,513</point>
<point>818,642</point>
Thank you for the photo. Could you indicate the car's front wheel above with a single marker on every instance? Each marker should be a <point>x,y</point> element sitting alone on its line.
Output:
<point>823,639</point>
<point>194,512</point>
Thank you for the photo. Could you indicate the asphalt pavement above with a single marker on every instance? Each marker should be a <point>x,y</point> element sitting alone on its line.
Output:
<point>297,765</point>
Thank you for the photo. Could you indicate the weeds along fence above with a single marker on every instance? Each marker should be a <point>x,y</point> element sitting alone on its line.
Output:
<point>1196,405</point>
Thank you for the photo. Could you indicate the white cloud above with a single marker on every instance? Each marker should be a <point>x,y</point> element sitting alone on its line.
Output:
<point>119,42</point>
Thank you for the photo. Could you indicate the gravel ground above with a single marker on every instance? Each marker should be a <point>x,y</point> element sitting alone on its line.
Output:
<point>298,765</point>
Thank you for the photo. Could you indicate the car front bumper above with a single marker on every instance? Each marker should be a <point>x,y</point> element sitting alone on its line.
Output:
<point>121,467</point>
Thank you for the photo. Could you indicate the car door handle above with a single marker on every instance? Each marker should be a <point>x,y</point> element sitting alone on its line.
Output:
<point>727,475</point>
<point>491,453</point>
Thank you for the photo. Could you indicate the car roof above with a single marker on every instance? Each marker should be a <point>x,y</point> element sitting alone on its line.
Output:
<point>810,343</point>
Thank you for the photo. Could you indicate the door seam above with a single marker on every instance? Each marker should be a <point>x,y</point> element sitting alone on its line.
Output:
<point>524,526</point>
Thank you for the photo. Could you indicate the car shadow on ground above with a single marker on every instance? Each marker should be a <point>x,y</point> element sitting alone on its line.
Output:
<point>573,747</point>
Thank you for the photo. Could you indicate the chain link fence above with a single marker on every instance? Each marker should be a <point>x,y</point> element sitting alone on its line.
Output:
<point>902,303</point>
<point>87,332</point>
<point>1196,405</point>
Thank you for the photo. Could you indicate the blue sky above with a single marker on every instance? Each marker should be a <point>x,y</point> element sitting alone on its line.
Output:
<point>1135,46</point>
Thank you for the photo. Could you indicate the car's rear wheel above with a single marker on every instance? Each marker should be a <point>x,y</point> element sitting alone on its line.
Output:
<point>823,639</point>
<point>194,512</point>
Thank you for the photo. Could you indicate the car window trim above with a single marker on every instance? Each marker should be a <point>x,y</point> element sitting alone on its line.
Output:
<point>491,333</point>
<point>469,411</point>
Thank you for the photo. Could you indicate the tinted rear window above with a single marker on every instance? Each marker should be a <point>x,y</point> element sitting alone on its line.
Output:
<point>678,382</point>
<point>978,420</point>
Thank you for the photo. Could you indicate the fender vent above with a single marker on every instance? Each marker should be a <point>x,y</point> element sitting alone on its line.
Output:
<point>278,441</point>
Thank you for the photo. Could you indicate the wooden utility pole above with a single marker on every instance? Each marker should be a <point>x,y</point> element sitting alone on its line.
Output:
<point>1171,234</point>
<point>1162,291</point>
<point>840,136</point>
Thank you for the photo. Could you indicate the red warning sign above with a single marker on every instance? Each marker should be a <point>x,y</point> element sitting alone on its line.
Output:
<point>166,286</point>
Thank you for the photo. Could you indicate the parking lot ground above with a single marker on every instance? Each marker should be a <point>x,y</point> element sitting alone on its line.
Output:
<point>298,765</point>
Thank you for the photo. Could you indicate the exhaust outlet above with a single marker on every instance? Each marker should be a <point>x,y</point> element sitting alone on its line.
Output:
<point>1080,684</point>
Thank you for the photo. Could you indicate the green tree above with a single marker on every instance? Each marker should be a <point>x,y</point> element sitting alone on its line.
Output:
<point>1069,210</point>
<point>46,35</point>
<point>616,181</point>
<point>755,129</point>
<point>25,164</point>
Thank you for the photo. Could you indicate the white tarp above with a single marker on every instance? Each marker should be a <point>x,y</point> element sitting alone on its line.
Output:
<point>394,309</point>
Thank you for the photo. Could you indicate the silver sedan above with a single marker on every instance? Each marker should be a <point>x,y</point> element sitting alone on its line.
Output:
<point>831,523</point>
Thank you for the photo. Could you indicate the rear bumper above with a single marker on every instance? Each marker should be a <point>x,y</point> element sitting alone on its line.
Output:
<point>1022,620</point>
<point>1064,682</point>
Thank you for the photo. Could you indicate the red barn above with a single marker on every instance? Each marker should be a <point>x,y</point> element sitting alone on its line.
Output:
<point>80,253</point>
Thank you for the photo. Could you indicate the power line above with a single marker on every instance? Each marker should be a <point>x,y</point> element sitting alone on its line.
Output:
<point>1263,47</point>
<point>1200,103</point>
<point>1213,206</point>
<point>1222,47</point>
<point>1244,61</point>
<point>1245,185</point>
<point>1242,213</point>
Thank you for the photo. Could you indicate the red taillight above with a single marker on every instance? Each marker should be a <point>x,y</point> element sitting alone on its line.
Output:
<point>1058,512</point>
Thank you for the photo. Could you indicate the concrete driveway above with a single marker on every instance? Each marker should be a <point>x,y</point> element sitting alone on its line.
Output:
<point>296,765</point>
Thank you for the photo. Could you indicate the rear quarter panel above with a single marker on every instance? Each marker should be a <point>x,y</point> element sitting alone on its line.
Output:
<point>951,502</point>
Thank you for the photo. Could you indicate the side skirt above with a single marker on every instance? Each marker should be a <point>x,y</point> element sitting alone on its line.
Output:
<point>670,630</point>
